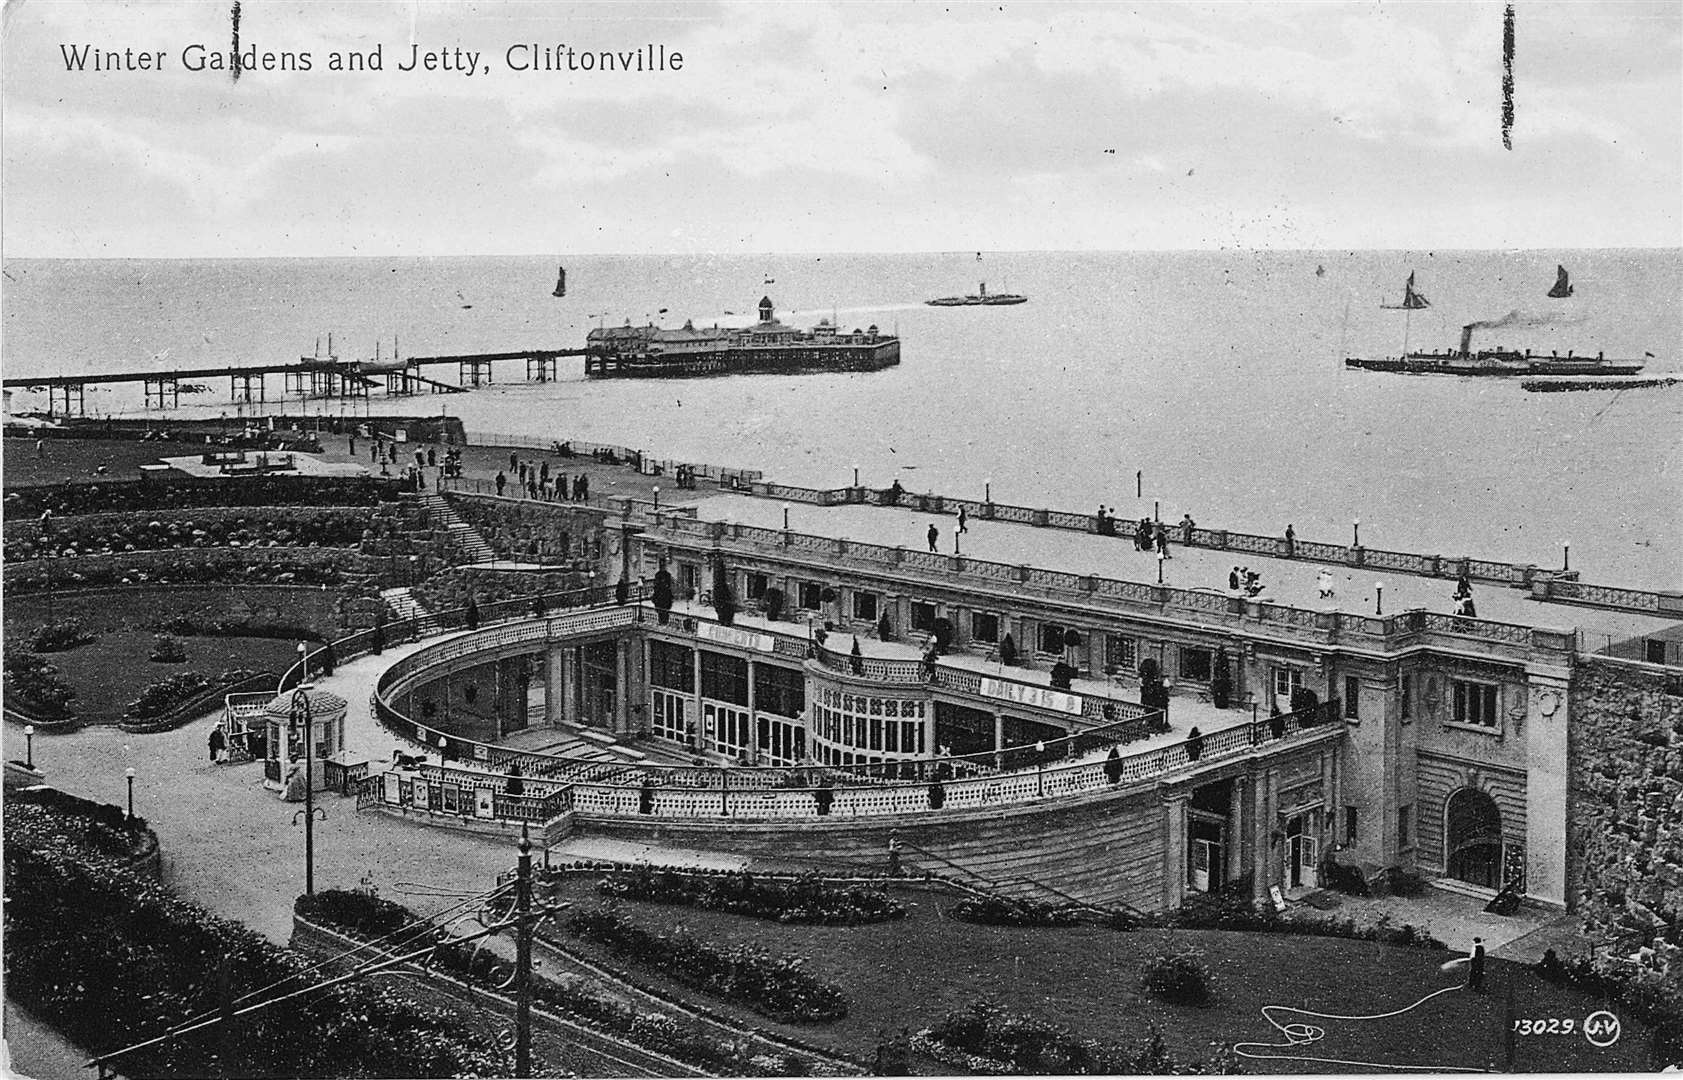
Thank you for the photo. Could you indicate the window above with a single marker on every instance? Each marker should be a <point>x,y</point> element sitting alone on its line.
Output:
<point>1405,826</point>
<point>810,596</point>
<point>1475,703</point>
<point>865,606</point>
<point>984,627</point>
<point>1195,664</point>
<point>1121,653</point>
<point>1350,825</point>
<point>779,690</point>
<point>1407,698</point>
<point>1051,639</point>
<point>724,678</point>
<point>923,616</point>
<point>671,666</point>
<point>1286,682</point>
<point>687,576</point>
<point>1352,697</point>
<point>756,586</point>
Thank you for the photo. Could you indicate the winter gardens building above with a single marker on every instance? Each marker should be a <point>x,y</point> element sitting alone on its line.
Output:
<point>1473,750</point>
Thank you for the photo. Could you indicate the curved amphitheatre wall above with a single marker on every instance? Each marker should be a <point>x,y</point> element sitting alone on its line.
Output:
<point>1100,846</point>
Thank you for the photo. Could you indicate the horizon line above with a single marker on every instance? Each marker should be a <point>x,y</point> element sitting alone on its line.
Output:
<point>1426,250</point>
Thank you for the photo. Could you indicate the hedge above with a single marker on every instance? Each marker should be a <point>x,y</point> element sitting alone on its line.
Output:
<point>36,688</point>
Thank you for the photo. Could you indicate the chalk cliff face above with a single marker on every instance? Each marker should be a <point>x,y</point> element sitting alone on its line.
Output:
<point>1625,815</point>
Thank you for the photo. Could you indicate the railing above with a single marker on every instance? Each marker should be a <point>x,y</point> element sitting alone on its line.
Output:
<point>569,449</point>
<point>465,793</point>
<point>651,800</point>
<point>1057,584</point>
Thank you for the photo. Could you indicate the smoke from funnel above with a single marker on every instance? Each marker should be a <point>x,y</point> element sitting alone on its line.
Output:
<point>1516,318</point>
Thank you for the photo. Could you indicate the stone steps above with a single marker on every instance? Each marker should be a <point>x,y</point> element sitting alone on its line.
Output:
<point>462,536</point>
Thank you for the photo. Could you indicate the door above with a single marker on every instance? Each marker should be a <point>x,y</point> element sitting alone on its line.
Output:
<point>1308,851</point>
<point>1206,854</point>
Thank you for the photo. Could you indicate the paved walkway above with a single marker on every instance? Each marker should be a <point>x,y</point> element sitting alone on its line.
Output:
<point>231,845</point>
<point>1287,581</point>
<point>1455,919</point>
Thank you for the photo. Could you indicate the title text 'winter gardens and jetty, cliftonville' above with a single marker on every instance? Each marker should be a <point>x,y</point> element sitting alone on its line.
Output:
<point>404,58</point>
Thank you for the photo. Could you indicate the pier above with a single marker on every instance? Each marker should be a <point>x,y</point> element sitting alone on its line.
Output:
<point>307,377</point>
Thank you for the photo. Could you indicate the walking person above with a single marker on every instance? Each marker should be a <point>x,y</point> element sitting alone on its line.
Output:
<point>963,517</point>
<point>1162,538</point>
<point>218,742</point>
<point>502,481</point>
<point>1186,527</point>
<point>1233,579</point>
<point>1291,542</point>
<point>934,536</point>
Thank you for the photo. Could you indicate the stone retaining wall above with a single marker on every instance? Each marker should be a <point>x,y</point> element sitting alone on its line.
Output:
<point>1625,796</point>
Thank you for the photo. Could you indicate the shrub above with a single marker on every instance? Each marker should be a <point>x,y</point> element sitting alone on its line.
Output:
<point>1007,651</point>
<point>1400,882</point>
<point>59,636</point>
<point>994,910</point>
<point>1233,910</point>
<point>167,650</point>
<point>724,601</point>
<point>1179,978</point>
<point>36,687</point>
<point>360,911</point>
<point>775,986</point>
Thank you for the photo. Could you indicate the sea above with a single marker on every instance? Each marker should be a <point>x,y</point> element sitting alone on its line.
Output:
<point>1209,383</point>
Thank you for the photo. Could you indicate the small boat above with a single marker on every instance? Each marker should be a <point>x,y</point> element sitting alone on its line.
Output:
<point>1562,286</point>
<point>560,283</point>
<point>980,298</point>
<point>1411,301</point>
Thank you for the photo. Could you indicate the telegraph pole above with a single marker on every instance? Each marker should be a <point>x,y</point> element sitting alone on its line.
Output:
<point>523,959</point>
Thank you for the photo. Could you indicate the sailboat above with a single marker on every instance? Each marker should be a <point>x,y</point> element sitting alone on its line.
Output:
<point>1562,286</point>
<point>1411,301</point>
<point>560,282</point>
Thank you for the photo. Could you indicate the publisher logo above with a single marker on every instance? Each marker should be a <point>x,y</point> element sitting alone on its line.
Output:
<point>1601,1028</point>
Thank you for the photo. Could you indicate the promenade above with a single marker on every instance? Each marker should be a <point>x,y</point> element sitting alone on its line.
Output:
<point>1289,582</point>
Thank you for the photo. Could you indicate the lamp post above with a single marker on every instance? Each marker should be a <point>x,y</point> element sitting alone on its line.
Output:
<point>443,745</point>
<point>1040,767</point>
<point>303,662</point>
<point>1565,556</point>
<point>128,774</point>
<point>303,714</point>
<point>657,498</point>
<point>1379,598</point>
<point>1355,532</point>
<point>856,476</point>
<point>987,491</point>
<point>1159,568</point>
<point>29,746</point>
<point>785,517</point>
<point>414,570</point>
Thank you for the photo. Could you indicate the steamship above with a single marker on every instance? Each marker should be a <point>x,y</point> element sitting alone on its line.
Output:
<point>1497,361</point>
<point>768,346</point>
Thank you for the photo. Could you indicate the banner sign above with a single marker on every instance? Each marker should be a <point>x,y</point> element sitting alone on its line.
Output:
<point>1038,696</point>
<point>730,635</point>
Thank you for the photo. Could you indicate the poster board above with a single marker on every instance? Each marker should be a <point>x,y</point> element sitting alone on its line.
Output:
<point>449,798</point>
<point>391,793</point>
<point>484,803</point>
<point>420,794</point>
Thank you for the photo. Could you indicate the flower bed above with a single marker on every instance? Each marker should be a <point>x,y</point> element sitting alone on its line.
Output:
<point>364,914</point>
<point>180,493</point>
<point>36,689</point>
<point>985,1038</point>
<point>773,986</point>
<point>59,636</point>
<point>806,899</point>
<point>1234,911</point>
<point>216,566</point>
<point>166,696</point>
<point>112,534</point>
<point>993,910</point>
<point>111,958</point>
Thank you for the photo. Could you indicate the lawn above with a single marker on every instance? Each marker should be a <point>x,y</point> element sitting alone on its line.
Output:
<point>909,973</point>
<point>109,673</point>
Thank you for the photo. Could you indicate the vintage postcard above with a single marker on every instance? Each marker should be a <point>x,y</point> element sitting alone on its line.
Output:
<point>755,539</point>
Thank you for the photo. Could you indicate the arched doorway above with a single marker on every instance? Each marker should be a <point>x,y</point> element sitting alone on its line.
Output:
<point>1473,830</point>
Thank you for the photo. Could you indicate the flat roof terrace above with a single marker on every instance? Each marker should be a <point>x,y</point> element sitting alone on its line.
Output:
<point>1289,582</point>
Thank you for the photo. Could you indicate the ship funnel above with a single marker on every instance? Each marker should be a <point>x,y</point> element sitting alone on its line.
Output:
<point>1467,339</point>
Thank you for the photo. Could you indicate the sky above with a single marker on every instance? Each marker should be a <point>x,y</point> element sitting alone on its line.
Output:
<point>830,127</point>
